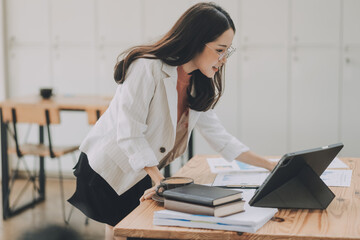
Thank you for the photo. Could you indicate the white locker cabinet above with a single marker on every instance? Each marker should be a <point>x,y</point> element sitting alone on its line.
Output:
<point>264,22</point>
<point>72,21</point>
<point>315,21</point>
<point>121,23</point>
<point>74,70</point>
<point>351,20</point>
<point>160,16</point>
<point>263,98</point>
<point>29,70</point>
<point>350,103</point>
<point>350,84</point>
<point>27,21</point>
<point>105,60</point>
<point>292,83</point>
<point>227,107</point>
<point>314,111</point>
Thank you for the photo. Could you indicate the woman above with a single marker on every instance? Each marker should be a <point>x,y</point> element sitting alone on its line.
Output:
<point>165,90</point>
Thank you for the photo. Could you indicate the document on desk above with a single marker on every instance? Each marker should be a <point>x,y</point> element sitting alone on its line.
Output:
<point>331,177</point>
<point>238,174</point>
<point>243,179</point>
<point>337,177</point>
<point>220,165</point>
<point>337,163</point>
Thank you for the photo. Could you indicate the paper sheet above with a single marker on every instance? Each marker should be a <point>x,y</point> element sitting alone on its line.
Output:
<point>331,177</point>
<point>337,178</point>
<point>337,163</point>
<point>240,179</point>
<point>236,173</point>
<point>220,165</point>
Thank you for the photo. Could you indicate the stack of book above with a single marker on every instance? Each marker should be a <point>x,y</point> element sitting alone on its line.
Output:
<point>199,206</point>
<point>204,200</point>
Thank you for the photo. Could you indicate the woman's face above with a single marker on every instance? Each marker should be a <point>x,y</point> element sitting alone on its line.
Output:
<point>208,60</point>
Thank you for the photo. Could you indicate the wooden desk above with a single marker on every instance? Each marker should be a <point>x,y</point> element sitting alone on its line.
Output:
<point>68,103</point>
<point>93,105</point>
<point>341,220</point>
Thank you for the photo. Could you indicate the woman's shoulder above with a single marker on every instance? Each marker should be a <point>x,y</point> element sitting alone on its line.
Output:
<point>148,63</point>
<point>152,67</point>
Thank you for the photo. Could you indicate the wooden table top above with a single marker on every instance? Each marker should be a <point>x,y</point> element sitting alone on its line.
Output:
<point>341,220</point>
<point>64,102</point>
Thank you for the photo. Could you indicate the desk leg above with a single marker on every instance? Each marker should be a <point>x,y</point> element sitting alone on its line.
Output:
<point>42,167</point>
<point>167,171</point>
<point>4,168</point>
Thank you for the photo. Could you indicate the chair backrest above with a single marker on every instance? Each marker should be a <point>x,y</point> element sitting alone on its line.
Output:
<point>31,113</point>
<point>41,114</point>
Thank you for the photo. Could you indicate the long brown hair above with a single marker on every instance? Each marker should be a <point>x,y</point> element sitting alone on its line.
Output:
<point>200,24</point>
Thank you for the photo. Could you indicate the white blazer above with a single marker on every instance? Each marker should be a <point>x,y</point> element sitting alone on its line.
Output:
<point>138,129</point>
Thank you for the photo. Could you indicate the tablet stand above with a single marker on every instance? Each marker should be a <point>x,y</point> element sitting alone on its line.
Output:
<point>305,190</point>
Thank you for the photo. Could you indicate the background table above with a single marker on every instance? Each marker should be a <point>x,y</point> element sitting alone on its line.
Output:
<point>93,105</point>
<point>341,220</point>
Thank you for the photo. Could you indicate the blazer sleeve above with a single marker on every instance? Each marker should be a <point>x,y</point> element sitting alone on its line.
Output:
<point>133,100</point>
<point>218,138</point>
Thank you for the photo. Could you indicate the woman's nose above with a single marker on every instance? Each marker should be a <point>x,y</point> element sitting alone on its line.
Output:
<point>223,60</point>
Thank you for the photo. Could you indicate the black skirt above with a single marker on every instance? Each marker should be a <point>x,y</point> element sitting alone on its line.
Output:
<point>98,200</point>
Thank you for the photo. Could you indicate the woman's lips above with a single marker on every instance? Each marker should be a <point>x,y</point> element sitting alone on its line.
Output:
<point>215,69</point>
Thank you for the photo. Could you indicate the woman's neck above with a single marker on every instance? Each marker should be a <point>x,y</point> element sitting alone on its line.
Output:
<point>189,67</point>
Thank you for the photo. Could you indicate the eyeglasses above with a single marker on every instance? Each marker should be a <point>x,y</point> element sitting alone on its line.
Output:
<point>227,53</point>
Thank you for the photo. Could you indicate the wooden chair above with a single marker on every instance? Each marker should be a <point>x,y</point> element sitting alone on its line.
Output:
<point>42,115</point>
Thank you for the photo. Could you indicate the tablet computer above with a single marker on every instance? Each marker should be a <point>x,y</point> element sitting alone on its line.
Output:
<point>295,181</point>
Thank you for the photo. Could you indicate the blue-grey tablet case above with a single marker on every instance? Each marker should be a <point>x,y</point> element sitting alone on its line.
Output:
<point>295,181</point>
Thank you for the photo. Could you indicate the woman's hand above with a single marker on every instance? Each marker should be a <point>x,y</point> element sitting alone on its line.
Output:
<point>156,176</point>
<point>272,165</point>
<point>148,193</point>
<point>256,160</point>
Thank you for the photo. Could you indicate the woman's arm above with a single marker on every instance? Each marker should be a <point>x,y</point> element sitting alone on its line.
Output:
<point>156,176</point>
<point>256,160</point>
<point>219,139</point>
<point>228,146</point>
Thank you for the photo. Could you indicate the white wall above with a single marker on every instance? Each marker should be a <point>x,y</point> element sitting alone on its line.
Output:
<point>2,55</point>
<point>292,84</point>
<point>298,76</point>
<point>2,52</point>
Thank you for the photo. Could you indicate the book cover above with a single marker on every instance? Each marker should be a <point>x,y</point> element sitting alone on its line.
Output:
<point>217,211</point>
<point>203,195</point>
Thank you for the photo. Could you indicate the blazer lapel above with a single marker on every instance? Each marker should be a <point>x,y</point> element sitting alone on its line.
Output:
<point>171,93</point>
